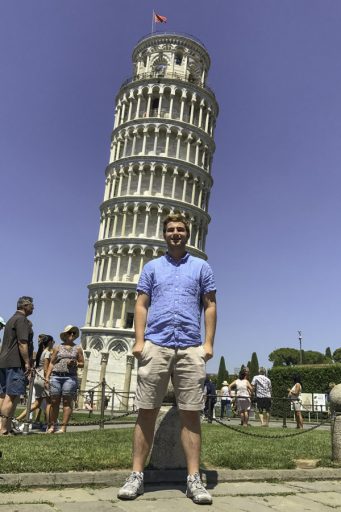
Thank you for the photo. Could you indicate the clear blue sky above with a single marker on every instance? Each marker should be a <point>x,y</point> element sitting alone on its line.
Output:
<point>274,240</point>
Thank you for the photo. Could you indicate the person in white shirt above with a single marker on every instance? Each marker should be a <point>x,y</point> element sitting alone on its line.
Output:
<point>261,385</point>
<point>225,401</point>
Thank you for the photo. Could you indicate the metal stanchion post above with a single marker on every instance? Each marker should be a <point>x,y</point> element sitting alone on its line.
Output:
<point>112,401</point>
<point>210,411</point>
<point>29,402</point>
<point>101,422</point>
<point>91,401</point>
<point>285,414</point>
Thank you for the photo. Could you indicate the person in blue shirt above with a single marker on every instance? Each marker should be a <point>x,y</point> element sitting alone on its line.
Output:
<point>172,292</point>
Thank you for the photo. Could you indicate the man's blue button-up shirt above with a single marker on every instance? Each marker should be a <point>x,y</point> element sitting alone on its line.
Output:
<point>175,289</point>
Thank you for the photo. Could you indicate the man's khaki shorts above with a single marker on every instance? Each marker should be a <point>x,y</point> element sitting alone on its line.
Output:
<point>187,369</point>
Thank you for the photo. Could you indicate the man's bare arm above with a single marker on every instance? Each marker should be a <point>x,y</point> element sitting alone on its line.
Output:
<point>210,309</point>
<point>140,320</point>
<point>23,349</point>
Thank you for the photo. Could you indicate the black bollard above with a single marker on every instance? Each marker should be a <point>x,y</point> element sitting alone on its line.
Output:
<point>210,409</point>
<point>285,414</point>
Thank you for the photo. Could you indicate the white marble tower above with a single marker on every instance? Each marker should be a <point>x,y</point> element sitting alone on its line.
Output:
<point>160,162</point>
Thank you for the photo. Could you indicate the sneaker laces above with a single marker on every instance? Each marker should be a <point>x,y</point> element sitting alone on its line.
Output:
<point>197,483</point>
<point>133,476</point>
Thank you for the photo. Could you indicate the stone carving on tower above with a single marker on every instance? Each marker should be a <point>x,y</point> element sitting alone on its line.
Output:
<point>160,162</point>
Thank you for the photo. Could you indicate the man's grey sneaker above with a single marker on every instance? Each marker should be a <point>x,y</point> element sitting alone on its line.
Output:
<point>197,491</point>
<point>132,488</point>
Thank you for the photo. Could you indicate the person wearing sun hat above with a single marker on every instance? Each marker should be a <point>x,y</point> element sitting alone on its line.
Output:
<point>225,401</point>
<point>61,376</point>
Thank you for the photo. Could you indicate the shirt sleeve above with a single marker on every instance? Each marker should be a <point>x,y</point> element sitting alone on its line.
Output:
<point>47,354</point>
<point>22,328</point>
<point>145,282</point>
<point>207,282</point>
<point>253,382</point>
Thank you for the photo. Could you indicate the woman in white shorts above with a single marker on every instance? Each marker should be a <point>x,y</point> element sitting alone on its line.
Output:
<point>295,396</point>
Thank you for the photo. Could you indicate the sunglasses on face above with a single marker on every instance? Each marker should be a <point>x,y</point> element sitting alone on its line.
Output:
<point>72,333</point>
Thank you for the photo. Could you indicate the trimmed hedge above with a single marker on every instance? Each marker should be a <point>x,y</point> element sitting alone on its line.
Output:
<point>315,379</point>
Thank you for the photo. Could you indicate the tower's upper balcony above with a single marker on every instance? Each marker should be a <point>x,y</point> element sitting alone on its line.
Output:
<point>170,56</point>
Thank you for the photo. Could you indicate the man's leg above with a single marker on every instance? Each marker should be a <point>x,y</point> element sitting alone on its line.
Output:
<point>143,437</point>
<point>8,408</point>
<point>266,418</point>
<point>261,417</point>
<point>191,439</point>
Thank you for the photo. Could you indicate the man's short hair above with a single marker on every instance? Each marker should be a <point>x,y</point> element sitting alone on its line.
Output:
<point>262,370</point>
<point>176,217</point>
<point>23,301</point>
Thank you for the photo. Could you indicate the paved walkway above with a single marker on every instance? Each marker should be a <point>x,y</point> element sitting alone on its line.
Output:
<point>293,491</point>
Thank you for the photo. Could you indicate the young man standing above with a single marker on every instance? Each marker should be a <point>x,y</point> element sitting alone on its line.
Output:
<point>15,361</point>
<point>171,292</point>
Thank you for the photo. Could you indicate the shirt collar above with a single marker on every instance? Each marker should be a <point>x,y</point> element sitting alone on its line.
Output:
<point>177,262</point>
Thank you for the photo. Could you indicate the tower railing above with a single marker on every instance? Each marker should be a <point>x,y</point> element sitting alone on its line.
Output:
<point>183,34</point>
<point>167,74</point>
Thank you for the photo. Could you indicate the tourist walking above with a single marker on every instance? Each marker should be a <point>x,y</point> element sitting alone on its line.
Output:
<point>15,361</point>
<point>225,401</point>
<point>61,376</point>
<point>261,385</point>
<point>243,393</point>
<point>42,362</point>
<point>295,395</point>
<point>210,397</point>
<point>171,292</point>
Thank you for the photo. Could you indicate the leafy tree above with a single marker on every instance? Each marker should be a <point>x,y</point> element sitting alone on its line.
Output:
<point>329,353</point>
<point>314,357</point>
<point>254,366</point>
<point>337,355</point>
<point>285,357</point>
<point>222,373</point>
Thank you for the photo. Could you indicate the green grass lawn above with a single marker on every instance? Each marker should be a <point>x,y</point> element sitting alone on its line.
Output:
<point>111,449</point>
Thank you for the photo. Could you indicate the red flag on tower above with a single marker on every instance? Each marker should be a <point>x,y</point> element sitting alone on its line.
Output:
<point>159,19</point>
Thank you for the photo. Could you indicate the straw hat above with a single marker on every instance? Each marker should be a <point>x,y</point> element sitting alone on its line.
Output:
<point>225,383</point>
<point>2,321</point>
<point>67,329</point>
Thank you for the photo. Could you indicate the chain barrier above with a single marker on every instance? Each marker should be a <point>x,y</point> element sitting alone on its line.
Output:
<point>271,436</point>
<point>211,402</point>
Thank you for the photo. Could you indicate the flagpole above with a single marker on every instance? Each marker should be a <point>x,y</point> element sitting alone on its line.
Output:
<point>153,22</point>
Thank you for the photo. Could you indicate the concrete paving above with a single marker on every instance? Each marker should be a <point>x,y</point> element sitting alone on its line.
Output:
<point>250,491</point>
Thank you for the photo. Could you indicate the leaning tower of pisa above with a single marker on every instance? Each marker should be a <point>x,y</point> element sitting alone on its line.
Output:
<point>160,162</point>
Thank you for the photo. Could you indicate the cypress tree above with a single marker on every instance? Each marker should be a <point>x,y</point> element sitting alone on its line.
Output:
<point>329,353</point>
<point>254,366</point>
<point>222,373</point>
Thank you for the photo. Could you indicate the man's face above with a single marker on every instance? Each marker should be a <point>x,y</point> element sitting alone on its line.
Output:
<point>1,326</point>
<point>28,308</point>
<point>176,235</point>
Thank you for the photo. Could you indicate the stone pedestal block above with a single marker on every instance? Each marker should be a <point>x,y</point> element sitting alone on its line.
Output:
<point>335,406</point>
<point>167,452</point>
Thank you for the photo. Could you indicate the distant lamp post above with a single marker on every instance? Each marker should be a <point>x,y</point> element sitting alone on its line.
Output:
<point>300,342</point>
